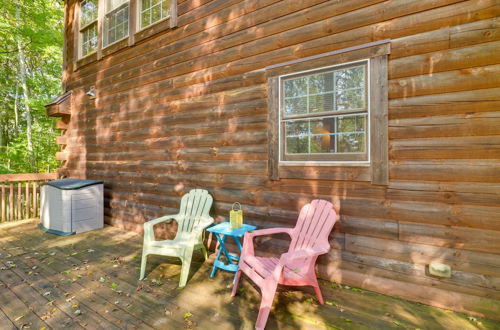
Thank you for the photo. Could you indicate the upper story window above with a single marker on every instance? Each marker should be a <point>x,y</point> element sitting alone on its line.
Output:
<point>324,114</point>
<point>116,21</point>
<point>88,27</point>
<point>102,27</point>
<point>152,11</point>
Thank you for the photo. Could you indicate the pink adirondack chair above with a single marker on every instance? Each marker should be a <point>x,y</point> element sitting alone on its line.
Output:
<point>296,267</point>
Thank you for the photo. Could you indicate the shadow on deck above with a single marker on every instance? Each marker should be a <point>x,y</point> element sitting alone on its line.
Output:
<point>91,281</point>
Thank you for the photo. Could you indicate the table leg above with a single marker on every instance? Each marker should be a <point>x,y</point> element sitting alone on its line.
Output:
<point>237,240</point>
<point>217,257</point>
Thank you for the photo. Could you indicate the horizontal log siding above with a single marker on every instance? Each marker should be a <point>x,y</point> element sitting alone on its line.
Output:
<point>188,108</point>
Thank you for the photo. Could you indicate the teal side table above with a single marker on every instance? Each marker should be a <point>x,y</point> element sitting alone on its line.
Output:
<point>221,232</point>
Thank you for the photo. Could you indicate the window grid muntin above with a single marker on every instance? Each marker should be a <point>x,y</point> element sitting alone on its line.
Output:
<point>328,157</point>
<point>111,28</point>
<point>164,11</point>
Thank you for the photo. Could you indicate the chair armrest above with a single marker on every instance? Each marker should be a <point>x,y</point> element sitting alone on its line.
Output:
<point>248,238</point>
<point>306,253</point>
<point>269,231</point>
<point>205,221</point>
<point>166,218</point>
<point>148,226</point>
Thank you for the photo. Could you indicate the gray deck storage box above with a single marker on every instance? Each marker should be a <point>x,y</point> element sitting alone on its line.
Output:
<point>71,206</point>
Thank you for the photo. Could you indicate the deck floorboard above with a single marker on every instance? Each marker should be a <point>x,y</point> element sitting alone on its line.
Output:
<point>91,281</point>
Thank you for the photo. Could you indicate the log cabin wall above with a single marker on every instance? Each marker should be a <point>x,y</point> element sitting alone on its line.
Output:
<point>187,108</point>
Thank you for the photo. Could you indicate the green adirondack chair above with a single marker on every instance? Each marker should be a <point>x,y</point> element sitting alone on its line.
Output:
<point>192,219</point>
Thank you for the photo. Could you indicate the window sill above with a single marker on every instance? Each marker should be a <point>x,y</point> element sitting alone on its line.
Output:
<point>87,59</point>
<point>152,29</point>
<point>338,172</point>
<point>326,164</point>
<point>115,46</point>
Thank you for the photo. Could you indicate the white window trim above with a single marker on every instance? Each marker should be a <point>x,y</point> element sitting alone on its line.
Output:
<point>326,162</point>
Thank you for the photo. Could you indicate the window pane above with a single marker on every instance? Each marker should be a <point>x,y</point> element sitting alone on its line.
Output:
<point>350,99</point>
<point>145,18</point>
<point>351,142</point>
<point>296,87</point>
<point>323,125</point>
<point>88,12</point>
<point>350,78</point>
<point>351,133</point>
<point>153,11</point>
<point>297,145</point>
<point>323,144</point>
<point>296,106</point>
<point>321,83</point>
<point>294,128</point>
<point>321,102</point>
<point>346,124</point>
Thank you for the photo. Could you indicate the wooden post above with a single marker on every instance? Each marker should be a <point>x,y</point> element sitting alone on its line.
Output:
<point>35,198</point>
<point>4,213</point>
<point>132,26</point>
<point>35,213</point>
<point>274,127</point>
<point>27,199</point>
<point>379,121</point>
<point>19,201</point>
<point>11,201</point>
<point>173,14</point>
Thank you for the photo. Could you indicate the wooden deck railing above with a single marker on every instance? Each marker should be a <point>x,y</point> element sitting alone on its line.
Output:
<point>20,195</point>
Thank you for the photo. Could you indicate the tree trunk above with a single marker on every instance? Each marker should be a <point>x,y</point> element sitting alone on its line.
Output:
<point>16,110</point>
<point>22,76</point>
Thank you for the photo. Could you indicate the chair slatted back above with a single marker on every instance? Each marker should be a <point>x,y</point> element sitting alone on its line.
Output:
<point>315,223</point>
<point>194,205</point>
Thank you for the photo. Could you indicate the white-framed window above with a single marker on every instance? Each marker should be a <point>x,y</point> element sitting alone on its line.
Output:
<point>116,21</point>
<point>88,27</point>
<point>152,11</point>
<point>323,114</point>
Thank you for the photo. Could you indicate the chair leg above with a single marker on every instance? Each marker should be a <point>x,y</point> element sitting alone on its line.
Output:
<point>318,293</point>
<point>143,264</point>
<point>268,291</point>
<point>236,283</point>
<point>204,250</point>
<point>186,265</point>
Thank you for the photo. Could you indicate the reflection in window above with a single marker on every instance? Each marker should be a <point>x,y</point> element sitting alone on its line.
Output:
<point>325,113</point>
<point>152,11</point>
<point>116,21</point>
<point>88,27</point>
<point>342,134</point>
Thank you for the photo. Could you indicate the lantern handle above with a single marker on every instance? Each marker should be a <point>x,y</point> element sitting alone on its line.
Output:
<point>239,205</point>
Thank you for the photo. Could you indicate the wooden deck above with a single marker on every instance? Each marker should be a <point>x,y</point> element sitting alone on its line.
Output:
<point>90,281</point>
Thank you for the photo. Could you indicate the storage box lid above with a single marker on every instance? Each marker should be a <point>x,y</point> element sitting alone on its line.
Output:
<point>72,184</point>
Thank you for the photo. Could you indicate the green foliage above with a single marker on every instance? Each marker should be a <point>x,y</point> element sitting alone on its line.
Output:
<point>39,30</point>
